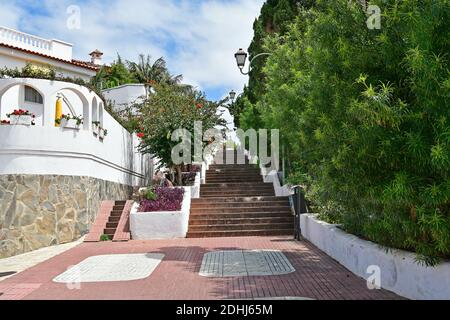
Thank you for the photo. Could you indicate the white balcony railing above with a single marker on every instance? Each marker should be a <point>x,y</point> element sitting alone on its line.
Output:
<point>53,48</point>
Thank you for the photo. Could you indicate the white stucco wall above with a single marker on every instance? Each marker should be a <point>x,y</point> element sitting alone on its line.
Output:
<point>161,225</point>
<point>48,150</point>
<point>123,96</point>
<point>400,273</point>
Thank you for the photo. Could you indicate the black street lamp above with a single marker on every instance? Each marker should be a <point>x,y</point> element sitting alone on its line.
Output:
<point>241,58</point>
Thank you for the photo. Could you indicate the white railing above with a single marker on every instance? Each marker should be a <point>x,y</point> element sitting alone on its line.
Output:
<point>53,48</point>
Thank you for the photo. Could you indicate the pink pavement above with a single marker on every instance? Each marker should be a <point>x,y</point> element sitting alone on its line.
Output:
<point>317,276</point>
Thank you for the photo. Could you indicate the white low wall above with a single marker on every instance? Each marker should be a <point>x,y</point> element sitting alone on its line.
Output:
<point>400,273</point>
<point>161,225</point>
<point>271,176</point>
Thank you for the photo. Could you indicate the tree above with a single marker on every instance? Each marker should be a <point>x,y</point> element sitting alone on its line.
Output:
<point>168,109</point>
<point>144,71</point>
<point>112,76</point>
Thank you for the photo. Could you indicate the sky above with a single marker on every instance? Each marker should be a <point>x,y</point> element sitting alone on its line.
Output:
<point>198,38</point>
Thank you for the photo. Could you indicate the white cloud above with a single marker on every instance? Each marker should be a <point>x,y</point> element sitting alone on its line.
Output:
<point>197,38</point>
<point>9,15</point>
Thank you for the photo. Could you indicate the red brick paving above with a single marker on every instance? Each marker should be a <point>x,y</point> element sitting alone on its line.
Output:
<point>317,276</point>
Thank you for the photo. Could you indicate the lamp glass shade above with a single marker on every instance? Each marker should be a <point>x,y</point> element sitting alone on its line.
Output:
<point>241,57</point>
<point>232,95</point>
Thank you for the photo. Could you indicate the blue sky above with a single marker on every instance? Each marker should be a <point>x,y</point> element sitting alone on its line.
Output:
<point>198,38</point>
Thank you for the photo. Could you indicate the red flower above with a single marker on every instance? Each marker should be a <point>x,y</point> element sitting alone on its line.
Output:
<point>141,135</point>
<point>199,105</point>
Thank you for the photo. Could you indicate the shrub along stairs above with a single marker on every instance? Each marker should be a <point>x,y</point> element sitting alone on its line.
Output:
<point>235,202</point>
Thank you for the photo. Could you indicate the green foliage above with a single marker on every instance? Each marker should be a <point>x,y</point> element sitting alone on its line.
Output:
<point>273,23</point>
<point>364,116</point>
<point>104,237</point>
<point>150,195</point>
<point>169,109</point>
<point>143,71</point>
<point>112,76</point>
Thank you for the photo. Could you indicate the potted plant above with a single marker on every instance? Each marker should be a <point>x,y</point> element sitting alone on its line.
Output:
<point>96,127</point>
<point>102,133</point>
<point>21,117</point>
<point>5,122</point>
<point>70,122</point>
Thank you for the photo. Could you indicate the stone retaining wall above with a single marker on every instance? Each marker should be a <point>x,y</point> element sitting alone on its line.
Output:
<point>42,210</point>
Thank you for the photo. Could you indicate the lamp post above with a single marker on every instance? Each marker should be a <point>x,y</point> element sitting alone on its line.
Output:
<point>241,58</point>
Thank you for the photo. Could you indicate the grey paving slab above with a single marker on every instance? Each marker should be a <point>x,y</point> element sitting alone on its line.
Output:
<point>244,263</point>
<point>111,268</point>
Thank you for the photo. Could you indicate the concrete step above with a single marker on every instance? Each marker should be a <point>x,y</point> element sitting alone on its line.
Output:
<point>233,175</point>
<point>233,180</point>
<point>237,194</point>
<point>120,203</point>
<point>118,208</point>
<point>114,219</point>
<point>237,184</point>
<point>112,225</point>
<point>233,166</point>
<point>241,221</point>
<point>237,205</point>
<point>239,199</point>
<point>116,213</point>
<point>234,171</point>
<point>241,227</point>
<point>239,215</point>
<point>285,209</point>
<point>110,231</point>
<point>246,233</point>
<point>262,188</point>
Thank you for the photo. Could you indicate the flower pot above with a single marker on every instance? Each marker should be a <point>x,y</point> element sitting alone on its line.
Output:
<point>70,124</point>
<point>95,129</point>
<point>21,120</point>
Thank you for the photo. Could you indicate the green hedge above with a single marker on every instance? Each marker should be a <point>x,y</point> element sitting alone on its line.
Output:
<point>364,115</point>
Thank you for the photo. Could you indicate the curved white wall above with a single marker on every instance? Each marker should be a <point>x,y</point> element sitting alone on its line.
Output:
<point>48,150</point>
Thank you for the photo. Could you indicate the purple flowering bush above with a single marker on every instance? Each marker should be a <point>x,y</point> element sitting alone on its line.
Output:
<point>167,199</point>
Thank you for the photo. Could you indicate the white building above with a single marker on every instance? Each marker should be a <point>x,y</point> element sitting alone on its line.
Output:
<point>126,95</point>
<point>53,179</point>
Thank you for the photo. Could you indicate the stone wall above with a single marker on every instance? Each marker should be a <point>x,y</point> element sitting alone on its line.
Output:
<point>37,211</point>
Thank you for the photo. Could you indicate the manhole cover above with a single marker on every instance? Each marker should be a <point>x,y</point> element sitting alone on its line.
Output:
<point>115,267</point>
<point>6,274</point>
<point>244,263</point>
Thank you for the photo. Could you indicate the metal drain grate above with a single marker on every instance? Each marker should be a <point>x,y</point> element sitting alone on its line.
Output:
<point>6,274</point>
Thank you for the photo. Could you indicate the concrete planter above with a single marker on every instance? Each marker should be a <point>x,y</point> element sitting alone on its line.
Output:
<point>70,124</point>
<point>20,120</point>
<point>400,273</point>
<point>162,224</point>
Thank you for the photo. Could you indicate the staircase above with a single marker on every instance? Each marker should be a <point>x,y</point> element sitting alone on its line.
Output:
<point>236,202</point>
<point>112,221</point>
<point>114,218</point>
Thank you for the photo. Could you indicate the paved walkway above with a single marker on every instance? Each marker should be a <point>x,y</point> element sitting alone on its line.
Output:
<point>316,275</point>
<point>27,260</point>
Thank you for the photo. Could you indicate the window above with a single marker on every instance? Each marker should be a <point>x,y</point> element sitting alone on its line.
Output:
<point>31,95</point>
